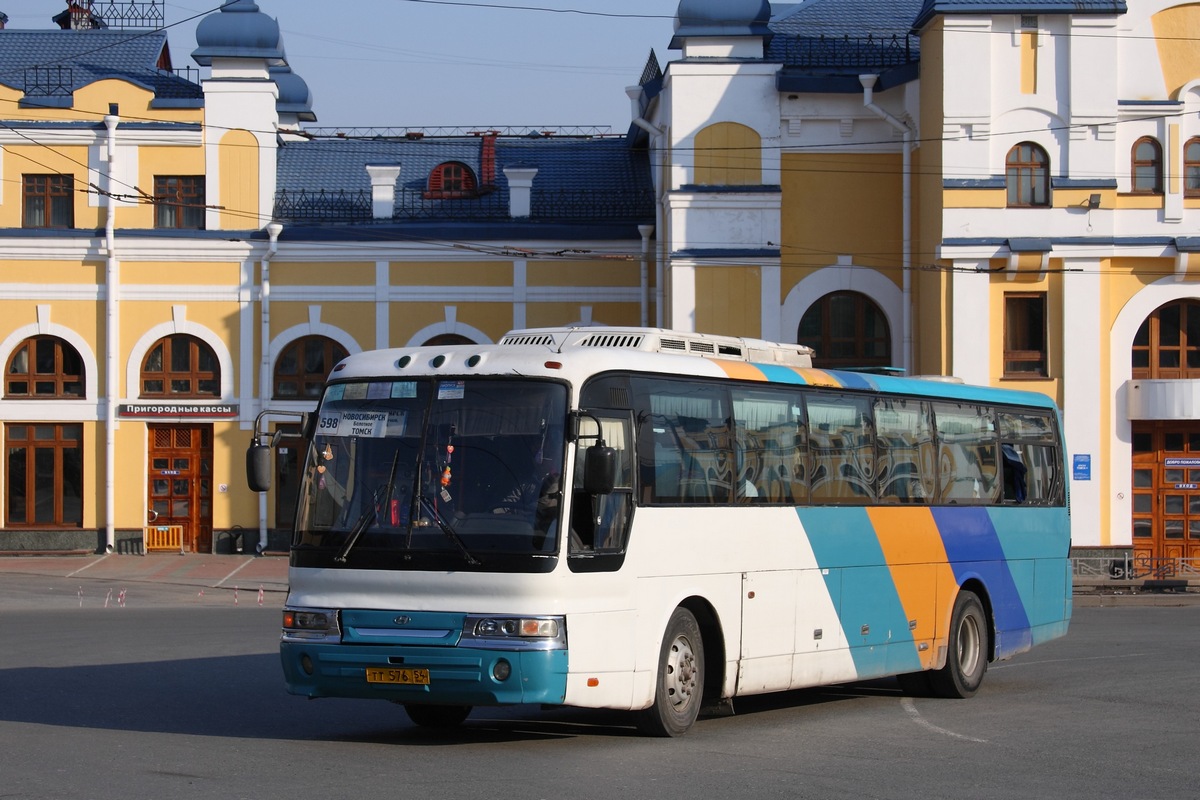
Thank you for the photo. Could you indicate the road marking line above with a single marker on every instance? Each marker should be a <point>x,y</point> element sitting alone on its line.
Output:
<point>245,564</point>
<point>89,565</point>
<point>911,709</point>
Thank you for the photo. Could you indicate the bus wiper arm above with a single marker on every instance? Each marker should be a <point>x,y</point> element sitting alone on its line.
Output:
<point>370,514</point>
<point>451,534</point>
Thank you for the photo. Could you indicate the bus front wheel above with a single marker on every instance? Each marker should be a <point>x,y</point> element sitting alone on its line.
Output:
<point>679,685</point>
<point>433,716</point>
<point>967,659</point>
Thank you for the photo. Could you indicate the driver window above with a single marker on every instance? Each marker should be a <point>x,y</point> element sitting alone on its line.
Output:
<point>600,523</point>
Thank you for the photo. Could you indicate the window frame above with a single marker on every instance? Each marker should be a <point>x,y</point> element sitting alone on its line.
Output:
<point>56,192</point>
<point>168,374</point>
<point>1036,355</point>
<point>450,180</point>
<point>1139,163</point>
<point>1191,167</point>
<point>824,343</point>
<point>68,437</point>
<point>1021,172</point>
<point>179,202</point>
<point>332,352</point>
<point>60,377</point>
<point>1150,341</point>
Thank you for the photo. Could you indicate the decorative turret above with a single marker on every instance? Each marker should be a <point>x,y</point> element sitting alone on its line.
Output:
<point>239,31</point>
<point>708,22</point>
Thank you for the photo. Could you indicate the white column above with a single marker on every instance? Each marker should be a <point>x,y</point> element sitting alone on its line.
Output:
<point>970,339</point>
<point>772,308</point>
<point>682,315</point>
<point>1082,371</point>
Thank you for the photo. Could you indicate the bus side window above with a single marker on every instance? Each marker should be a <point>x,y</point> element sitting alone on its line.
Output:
<point>968,460</point>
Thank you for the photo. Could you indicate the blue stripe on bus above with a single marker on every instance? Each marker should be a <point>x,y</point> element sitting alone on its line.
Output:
<point>861,587</point>
<point>974,550</point>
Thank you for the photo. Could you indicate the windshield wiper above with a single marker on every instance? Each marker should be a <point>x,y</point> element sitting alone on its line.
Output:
<point>371,513</point>
<point>451,534</point>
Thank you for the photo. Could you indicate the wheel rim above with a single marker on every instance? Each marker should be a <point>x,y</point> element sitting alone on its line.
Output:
<point>969,645</point>
<point>681,673</point>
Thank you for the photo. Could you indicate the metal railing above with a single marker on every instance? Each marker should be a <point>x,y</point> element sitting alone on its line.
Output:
<point>554,205</point>
<point>847,51</point>
<point>457,131</point>
<point>126,14</point>
<point>49,82</point>
<point>1129,568</point>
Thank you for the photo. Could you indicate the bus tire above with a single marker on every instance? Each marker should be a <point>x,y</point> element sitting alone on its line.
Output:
<point>435,716</point>
<point>967,656</point>
<point>679,685</point>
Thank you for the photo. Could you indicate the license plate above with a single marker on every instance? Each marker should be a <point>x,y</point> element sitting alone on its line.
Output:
<point>408,677</point>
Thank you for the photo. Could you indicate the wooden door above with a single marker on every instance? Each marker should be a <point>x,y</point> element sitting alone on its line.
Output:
<point>180,483</point>
<point>1166,493</point>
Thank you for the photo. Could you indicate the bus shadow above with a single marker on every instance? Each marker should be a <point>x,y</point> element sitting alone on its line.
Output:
<point>244,697</point>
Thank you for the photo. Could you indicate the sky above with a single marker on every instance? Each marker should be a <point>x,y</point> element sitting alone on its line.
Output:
<point>545,64</point>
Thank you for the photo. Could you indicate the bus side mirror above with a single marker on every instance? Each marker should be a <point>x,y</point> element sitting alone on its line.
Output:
<point>258,467</point>
<point>599,469</point>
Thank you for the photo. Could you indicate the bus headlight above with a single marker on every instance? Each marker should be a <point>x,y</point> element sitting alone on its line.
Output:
<point>515,633</point>
<point>311,625</point>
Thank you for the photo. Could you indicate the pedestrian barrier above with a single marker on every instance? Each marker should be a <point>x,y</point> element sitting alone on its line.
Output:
<point>163,537</point>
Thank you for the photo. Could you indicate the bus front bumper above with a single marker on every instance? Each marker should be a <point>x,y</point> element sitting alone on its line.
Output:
<point>456,675</point>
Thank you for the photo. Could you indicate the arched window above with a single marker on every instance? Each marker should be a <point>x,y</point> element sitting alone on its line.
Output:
<point>846,329</point>
<point>1191,168</point>
<point>1027,176</point>
<point>1167,346</point>
<point>1147,166</point>
<point>304,365</point>
<point>44,367</point>
<point>452,179</point>
<point>447,338</point>
<point>181,366</point>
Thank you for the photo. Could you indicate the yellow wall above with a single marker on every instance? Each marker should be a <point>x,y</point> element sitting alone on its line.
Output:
<point>728,154</point>
<point>239,181</point>
<point>134,273</point>
<point>842,204</point>
<point>339,273</point>
<point>1176,32</point>
<point>483,273</point>
<point>600,272</point>
<point>729,301</point>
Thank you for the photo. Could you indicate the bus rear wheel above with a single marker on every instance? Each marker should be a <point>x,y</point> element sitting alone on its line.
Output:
<point>679,685</point>
<point>967,659</point>
<point>434,716</point>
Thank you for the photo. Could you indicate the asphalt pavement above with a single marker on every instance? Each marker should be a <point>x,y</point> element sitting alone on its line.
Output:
<point>269,572</point>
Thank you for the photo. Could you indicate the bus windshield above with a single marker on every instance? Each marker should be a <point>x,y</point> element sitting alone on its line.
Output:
<point>434,474</point>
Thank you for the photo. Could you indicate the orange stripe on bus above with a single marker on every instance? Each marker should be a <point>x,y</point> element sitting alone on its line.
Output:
<point>912,547</point>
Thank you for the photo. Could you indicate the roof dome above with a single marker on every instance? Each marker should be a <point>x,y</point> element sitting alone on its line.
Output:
<point>721,18</point>
<point>294,94</point>
<point>240,30</point>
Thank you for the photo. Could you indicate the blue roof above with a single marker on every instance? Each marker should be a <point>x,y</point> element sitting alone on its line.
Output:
<point>824,45</point>
<point>931,8</point>
<point>52,64</point>
<point>579,181</point>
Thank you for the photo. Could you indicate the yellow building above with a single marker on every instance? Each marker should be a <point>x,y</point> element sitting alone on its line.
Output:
<point>1001,192</point>
<point>179,256</point>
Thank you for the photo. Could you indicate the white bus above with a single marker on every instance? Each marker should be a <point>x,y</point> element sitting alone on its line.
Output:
<point>660,522</point>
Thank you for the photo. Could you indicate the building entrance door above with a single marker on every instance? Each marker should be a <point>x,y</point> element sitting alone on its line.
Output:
<point>180,482</point>
<point>1166,491</point>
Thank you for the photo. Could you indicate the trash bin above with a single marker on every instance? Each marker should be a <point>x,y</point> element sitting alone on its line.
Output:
<point>235,540</point>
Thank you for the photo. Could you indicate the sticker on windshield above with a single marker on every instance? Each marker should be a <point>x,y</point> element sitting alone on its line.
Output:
<point>452,390</point>
<point>364,424</point>
<point>378,391</point>
<point>404,389</point>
